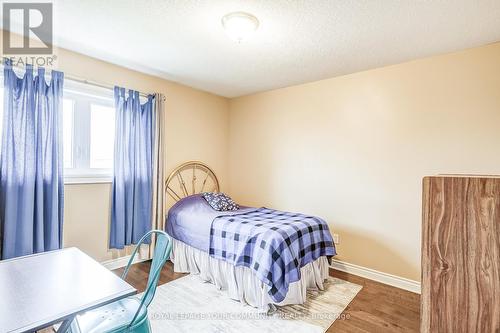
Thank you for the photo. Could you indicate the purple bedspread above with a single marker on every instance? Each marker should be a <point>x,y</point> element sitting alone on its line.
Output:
<point>274,244</point>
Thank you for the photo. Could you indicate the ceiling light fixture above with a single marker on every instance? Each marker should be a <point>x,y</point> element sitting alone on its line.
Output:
<point>239,25</point>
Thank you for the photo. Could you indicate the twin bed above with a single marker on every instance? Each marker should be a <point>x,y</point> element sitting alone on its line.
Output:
<point>259,256</point>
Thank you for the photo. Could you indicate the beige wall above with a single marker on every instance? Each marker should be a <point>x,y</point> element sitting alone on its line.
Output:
<point>196,128</point>
<point>354,149</point>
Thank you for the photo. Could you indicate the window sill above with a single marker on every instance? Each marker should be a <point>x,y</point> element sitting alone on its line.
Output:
<point>87,180</point>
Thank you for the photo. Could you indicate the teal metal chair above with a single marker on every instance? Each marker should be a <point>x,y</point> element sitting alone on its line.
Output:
<point>129,314</point>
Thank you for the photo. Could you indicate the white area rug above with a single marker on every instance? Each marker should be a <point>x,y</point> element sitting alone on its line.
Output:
<point>190,305</point>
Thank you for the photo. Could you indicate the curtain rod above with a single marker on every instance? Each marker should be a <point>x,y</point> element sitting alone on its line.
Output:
<point>84,81</point>
<point>95,84</point>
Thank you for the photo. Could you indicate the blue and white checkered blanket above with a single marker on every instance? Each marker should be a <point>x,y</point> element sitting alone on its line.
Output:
<point>272,243</point>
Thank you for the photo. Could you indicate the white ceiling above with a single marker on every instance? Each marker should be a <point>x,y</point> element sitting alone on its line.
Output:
<point>297,41</point>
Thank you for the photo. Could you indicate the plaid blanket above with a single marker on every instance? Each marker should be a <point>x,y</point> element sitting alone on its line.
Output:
<point>274,244</point>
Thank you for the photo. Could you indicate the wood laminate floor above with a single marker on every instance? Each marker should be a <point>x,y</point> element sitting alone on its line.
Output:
<point>377,307</point>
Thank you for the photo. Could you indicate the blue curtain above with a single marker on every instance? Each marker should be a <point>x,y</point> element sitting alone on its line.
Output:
<point>31,167</point>
<point>133,169</point>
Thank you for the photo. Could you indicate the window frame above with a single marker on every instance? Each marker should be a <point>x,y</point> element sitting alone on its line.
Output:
<point>84,96</point>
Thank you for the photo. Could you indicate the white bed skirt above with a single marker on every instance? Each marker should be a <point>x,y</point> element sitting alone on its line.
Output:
<point>241,283</point>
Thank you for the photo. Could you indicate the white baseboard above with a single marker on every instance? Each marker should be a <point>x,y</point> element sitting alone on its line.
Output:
<point>120,262</point>
<point>368,273</point>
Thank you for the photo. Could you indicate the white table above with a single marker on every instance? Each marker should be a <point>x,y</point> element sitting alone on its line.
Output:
<point>40,290</point>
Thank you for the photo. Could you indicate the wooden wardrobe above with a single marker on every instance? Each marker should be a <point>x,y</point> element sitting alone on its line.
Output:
<point>461,254</point>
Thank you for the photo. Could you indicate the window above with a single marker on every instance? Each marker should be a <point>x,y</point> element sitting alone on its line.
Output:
<point>68,116</point>
<point>102,136</point>
<point>88,134</point>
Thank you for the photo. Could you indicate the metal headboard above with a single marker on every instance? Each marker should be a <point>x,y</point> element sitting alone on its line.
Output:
<point>183,180</point>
